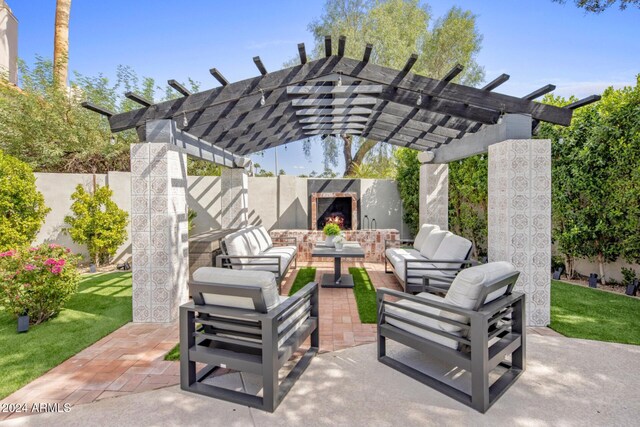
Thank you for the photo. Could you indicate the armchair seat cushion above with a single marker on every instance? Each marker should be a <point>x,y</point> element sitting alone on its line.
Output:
<point>397,256</point>
<point>421,319</point>
<point>262,279</point>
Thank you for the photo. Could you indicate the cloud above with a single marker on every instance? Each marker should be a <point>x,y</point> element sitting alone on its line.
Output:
<point>299,167</point>
<point>268,43</point>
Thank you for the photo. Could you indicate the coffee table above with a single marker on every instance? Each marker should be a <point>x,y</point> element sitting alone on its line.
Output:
<point>337,279</point>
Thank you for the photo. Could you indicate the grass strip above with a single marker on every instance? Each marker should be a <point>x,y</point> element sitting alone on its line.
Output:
<point>304,276</point>
<point>365,294</point>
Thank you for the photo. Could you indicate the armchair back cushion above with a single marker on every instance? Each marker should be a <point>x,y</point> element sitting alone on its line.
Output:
<point>467,288</point>
<point>432,243</point>
<point>422,235</point>
<point>264,280</point>
<point>264,239</point>
<point>452,247</point>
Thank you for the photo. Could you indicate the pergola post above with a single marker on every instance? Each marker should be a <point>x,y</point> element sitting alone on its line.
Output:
<point>434,194</point>
<point>519,218</point>
<point>234,198</point>
<point>159,235</point>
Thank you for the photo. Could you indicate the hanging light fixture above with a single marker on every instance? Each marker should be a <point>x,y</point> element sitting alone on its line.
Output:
<point>185,122</point>
<point>339,80</point>
<point>419,101</point>
<point>262,98</point>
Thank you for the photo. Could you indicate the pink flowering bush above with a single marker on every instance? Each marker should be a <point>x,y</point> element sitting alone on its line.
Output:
<point>37,281</point>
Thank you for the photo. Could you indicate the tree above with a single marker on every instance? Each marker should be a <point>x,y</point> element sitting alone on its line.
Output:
<point>599,6</point>
<point>44,125</point>
<point>61,42</point>
<point>596,179</point>
<point>22,208</point>
<point>468,201</point>
<point>396,28</point>
<point>408,179</point>
<point>97,222</point>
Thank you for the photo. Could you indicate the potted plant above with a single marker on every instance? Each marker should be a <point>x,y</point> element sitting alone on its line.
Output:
<point>339,241</point>
<point>331,231</point>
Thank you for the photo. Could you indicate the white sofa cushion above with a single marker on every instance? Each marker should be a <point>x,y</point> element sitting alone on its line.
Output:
<point>397,256</point>
<point>251,234</point>
<point>284,252</point>
<point>262,279</point>
<point>422,319</point>
<point>422,235</point>
<point>432,243</point>
<point>467,287</point>
<point>452,247</point>
<point>264,240</point>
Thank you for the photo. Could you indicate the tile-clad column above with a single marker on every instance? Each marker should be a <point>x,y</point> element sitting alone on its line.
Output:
<point>159,231</point>
<point>434,194</point>
<point>235,198</point>
<point>519,218</point>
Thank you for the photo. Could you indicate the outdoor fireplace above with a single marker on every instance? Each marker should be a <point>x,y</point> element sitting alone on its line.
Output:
<point>337,208</point>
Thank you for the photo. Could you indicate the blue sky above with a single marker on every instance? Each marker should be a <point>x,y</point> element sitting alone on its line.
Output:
<point>535,41</point>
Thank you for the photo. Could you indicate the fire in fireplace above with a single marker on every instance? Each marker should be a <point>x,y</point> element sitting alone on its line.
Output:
<point>336,208</point>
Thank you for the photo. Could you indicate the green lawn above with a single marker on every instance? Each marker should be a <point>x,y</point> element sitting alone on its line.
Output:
<point>365,294</point>
<point>580,312</point>
<point>102,305</point>
<point>304,276</point>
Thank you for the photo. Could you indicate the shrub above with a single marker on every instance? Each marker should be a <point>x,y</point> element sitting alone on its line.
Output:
<point>37,281</point>
<point>628,275</point>
<point>97,222</point>
<point>408,180</point>
<point>331,229</point>
<point>22,209</point>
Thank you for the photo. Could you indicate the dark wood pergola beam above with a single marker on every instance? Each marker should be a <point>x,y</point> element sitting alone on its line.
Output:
<point>302,53</point>
<point>367,53</point>
<point>342,41</point>
<point>540,92</point>
<point>502,78</point>
<point>454,92</point>
<point>178,87</point>
<point>584,101</point>
<point>219,77</point>
<point>453,73</point>
<point>138,99</point>
<point>259,65</point>
<point>97,109</point>
<point>327,46</point>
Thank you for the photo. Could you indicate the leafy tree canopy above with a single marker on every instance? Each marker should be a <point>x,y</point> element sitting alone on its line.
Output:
<point>599,6</point>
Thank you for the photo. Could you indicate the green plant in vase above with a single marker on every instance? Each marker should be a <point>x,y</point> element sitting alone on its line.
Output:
<point>331,231</point>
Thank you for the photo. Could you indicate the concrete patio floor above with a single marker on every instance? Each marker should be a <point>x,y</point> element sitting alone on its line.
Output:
<point>568,382</point>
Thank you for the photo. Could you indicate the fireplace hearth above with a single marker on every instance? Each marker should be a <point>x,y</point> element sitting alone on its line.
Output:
<point>336,208</point>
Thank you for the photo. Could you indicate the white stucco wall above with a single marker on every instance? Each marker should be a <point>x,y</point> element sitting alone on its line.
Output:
<point>8,43</point>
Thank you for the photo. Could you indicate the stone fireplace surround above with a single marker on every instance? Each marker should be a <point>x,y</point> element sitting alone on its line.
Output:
<point>334,195</point>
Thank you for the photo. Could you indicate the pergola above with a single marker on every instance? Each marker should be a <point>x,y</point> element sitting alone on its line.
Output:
<point>336,95</point>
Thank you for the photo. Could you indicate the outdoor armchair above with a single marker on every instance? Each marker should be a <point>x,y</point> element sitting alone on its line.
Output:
<point>474,327</point>
<point>238,321</point>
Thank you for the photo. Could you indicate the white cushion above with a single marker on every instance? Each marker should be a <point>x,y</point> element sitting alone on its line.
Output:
<point>284,252</point>
<point>423,320</point>
<point>398,255</point>
<point>452,247</point>
<point>252,238</point>
<point>423,233</point>
<point>467,287</point>
<point>264,240</point>
<point>432,242</point>
<point>238,244</point>
<point>224,276</point>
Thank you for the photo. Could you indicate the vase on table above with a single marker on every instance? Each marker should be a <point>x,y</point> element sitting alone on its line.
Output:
<point>339,246</point>
<point>329,241</point>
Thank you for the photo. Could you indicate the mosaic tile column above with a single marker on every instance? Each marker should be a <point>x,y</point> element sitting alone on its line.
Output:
<point>519,218</point>
<point>158,231</point>
<point>434,194</point>
<point>235,198</point>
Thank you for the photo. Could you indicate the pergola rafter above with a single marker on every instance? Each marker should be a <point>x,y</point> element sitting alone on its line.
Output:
<point>334,95</point>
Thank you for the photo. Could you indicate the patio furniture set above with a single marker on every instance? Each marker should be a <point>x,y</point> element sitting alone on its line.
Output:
<point>469,318</point>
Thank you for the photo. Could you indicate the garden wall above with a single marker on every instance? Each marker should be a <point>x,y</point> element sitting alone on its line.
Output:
<point>276,203</point>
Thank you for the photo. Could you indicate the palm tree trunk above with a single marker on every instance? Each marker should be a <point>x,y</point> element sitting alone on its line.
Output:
<point>61,42</point>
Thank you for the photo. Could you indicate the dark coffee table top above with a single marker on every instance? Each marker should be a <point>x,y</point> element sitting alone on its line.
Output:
<point>350,250</point>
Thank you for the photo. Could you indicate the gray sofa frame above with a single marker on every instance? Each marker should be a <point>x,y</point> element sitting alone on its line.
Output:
<point>503,319</point>
<point>228,261</point>
<point>415,265</point>
<point>206,337</point>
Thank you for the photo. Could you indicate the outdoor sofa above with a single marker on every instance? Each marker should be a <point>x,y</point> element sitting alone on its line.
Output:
<point>238,320</point>
<point>252,248</point>
<point>428,262</point>
<point>474,327</point>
